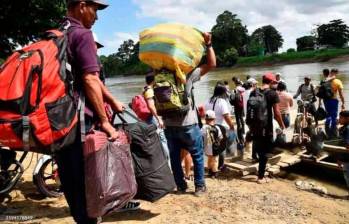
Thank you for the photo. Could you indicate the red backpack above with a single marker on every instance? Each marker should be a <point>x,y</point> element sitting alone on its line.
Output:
<point>37,108</point>
<point>140,107</point>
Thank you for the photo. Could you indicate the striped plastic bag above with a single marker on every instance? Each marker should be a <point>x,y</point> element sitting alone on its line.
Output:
<point>175,47</point>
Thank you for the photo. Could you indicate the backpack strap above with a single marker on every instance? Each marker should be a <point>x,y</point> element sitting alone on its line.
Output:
<point>214,104</point>
<point>213,138</point>
<point>81,111</point>
<point>26,133</point>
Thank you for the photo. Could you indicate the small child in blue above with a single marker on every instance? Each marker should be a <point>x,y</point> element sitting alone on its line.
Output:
<point>344,133</point>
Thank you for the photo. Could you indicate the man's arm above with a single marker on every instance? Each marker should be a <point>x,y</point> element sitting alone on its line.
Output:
<point>211,56</point>
<point>277,116</point>
<point>229,121</point>
<point>152,108</point>
<point>109,98</point>
<point>94,93</point>
<point>297,93</point>
<point>291,102</point>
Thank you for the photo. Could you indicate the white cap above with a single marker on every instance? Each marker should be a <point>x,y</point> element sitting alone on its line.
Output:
<point>252,81</point>
<point>210,114</point>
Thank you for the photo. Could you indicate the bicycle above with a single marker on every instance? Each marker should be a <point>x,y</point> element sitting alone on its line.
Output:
<point>45,174</point>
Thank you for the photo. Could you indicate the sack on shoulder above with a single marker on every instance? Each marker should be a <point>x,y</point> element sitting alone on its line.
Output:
<point>171,98</point>
<point>37,108</point>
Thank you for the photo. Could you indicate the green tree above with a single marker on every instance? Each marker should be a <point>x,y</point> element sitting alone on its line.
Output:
<point>255,48</point>
<point>125,61</point>
<point>229,33</point>
<point>229,57</point>
<point>306,43</point>
<point>126,51</point>
<point>23,21</point>
<point>335,33</point>
<point>268,37</point>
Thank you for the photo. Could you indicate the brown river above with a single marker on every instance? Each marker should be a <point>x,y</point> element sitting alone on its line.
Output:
<point>124,88</point>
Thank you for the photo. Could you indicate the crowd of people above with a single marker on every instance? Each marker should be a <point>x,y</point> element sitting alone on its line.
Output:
<point>254,107</point>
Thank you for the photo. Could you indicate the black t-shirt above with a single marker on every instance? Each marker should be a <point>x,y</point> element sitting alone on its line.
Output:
<point>344,133</point>
<point>272,98</point>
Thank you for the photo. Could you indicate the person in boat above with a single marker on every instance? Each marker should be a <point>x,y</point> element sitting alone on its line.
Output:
<point>343,161</point>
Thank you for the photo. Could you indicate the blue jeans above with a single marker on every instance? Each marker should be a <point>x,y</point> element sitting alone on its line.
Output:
<point>286,120</point>
<point>331,107</point>
<point>162,137</point>
<point>346,173</point>
<point>189,138</point>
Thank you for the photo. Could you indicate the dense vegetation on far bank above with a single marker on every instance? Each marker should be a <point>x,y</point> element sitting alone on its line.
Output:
<point>293,57</point>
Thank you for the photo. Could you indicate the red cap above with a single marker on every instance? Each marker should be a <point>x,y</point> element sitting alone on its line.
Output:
<point>269,76</point>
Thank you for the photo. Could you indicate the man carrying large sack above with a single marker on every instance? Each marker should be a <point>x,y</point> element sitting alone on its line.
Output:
<point>82,52</point>
<point>183,131</point>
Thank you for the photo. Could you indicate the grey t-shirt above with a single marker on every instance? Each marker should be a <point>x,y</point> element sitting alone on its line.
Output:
<point>191,117</point>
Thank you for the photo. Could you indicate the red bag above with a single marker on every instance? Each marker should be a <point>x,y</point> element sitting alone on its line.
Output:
<point>140,107</point>
<point>37,109</point>
<point>109,177</point>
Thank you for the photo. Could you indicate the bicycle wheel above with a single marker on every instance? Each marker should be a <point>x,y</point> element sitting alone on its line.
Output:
<point>47,179</point>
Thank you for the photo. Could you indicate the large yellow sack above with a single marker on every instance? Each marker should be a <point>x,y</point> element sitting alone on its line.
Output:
<point>175,47</point>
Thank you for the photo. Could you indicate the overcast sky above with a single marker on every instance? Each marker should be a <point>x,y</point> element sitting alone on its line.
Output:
<point>293,18</point>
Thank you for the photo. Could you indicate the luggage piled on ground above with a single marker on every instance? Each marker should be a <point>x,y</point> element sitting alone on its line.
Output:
<point>153,174</point>
<point>175,47</point>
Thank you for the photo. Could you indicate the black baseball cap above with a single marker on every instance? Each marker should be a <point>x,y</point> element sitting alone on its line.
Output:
<point>101,4</point>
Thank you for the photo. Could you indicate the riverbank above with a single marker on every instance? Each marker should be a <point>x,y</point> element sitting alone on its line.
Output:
<point>230,199</point>
<point>324,55</point>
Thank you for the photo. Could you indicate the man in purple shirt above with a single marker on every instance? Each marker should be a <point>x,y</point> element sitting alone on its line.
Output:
<point>83,58</point>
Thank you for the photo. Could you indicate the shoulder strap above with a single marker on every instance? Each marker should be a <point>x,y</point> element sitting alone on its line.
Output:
<point>301,86</point>
<point>214,104</point>
<point>312,89</point>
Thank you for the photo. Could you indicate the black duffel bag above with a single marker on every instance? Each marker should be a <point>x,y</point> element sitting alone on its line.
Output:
<point>153,174</point>
<point>320,113</point>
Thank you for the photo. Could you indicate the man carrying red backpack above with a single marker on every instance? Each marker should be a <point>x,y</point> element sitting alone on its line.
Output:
<point>82,15</point>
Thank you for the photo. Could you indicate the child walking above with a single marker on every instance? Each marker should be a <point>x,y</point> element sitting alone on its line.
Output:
<point>213,142</point>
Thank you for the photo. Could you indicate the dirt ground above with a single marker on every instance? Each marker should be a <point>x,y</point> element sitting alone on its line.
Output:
<point>229,199</point>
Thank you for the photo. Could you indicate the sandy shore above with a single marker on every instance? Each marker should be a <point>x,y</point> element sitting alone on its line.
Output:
<point>229,199</point>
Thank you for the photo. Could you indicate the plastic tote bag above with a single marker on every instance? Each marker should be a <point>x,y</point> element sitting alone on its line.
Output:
<point>109,176</point>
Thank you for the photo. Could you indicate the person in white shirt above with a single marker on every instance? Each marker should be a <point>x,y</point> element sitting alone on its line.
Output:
<point>219,104</point>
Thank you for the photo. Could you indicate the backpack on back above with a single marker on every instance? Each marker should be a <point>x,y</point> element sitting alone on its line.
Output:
<point>257,113</point>
<point>219,142</point>
<point>171,98</point>
<point>37,108</point>
<point>325,91</point>
<point>236,99</point>
<point>140,107</point>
